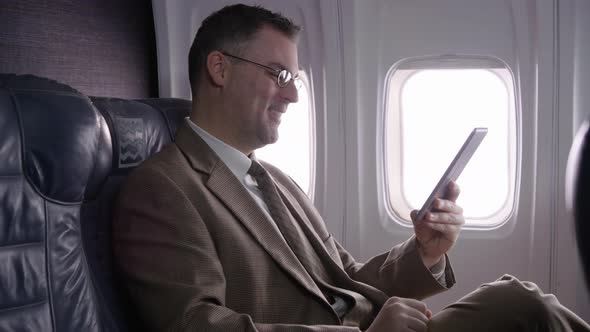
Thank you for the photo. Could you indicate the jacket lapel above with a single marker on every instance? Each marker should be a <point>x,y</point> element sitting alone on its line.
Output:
<point>223,183</point>
<point>304,223</point>
<point>317,243</point>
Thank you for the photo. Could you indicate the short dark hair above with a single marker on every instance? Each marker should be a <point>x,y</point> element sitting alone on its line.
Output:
<point>226,29</point>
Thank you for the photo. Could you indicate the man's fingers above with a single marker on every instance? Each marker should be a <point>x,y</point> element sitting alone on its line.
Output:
<point>453,191</point>
<point>418,305</point>
<point>417,323</point>
<point>445,205</point>
<point>402,314</point>
<point>442,228</point>
<point>444,218</point>
<point>412,312</point>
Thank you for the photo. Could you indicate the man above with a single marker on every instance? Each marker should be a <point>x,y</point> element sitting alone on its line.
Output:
<point>211,239</point>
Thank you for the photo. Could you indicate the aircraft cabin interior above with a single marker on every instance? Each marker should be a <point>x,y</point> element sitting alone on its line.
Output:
<point>388,91</point>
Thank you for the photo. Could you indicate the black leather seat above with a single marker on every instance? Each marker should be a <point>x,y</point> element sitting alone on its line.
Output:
<point>62,158</point>
<point>578,192</point>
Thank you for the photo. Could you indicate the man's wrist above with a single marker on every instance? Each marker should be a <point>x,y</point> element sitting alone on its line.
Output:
<point>429,262</point>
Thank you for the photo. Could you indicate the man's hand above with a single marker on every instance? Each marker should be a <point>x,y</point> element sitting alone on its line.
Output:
<point>439,230</point>
<point>401,315</point>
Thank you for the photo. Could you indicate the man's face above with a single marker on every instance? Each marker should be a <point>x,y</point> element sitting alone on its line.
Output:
<point>256,102</point>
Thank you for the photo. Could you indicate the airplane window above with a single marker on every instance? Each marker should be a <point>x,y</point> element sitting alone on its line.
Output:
<point>429,113</point>
<point>294,151</point>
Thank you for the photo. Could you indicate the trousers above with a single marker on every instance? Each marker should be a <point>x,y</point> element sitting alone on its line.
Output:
<point>507,305</point>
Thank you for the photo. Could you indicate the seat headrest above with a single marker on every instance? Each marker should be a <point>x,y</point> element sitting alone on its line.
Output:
<point>173,109</point>
<point>140,128</point>
<point>66,146</point>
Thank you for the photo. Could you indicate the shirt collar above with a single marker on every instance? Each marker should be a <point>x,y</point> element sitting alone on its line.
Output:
<point>234,159</point>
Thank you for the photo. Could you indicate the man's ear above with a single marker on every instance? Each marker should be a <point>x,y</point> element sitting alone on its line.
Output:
<point>217,68</point>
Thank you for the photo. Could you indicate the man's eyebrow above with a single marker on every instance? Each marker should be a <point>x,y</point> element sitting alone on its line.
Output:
<point>281,67</point>
<point>278,65</point>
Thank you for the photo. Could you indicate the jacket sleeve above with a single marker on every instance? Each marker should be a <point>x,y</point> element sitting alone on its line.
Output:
<point>399,272</point>
<point>173,274</point>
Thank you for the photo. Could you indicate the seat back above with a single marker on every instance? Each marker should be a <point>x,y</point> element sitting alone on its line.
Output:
<point>578,192</point>
<point>63,158</point>
<point>138,129</point>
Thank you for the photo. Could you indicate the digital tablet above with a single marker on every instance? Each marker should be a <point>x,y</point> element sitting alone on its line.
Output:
<point>455,168</point>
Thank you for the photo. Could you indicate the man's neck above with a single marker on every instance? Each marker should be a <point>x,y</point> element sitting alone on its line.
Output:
<point>218,128</point>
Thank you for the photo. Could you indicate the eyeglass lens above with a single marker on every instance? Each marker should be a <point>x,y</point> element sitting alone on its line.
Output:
<point>284,78</point>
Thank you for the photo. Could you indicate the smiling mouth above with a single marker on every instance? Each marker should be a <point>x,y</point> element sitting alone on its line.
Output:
<point>280,108</point>
<point>276,112</point>
<point>275,116</point>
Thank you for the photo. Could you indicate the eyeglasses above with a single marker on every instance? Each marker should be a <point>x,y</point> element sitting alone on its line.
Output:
<point>283,75</point>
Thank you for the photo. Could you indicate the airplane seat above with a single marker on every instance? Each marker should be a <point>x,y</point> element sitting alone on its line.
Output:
<point>138,129</point>
<point>63,157</point>
<point>578,192</point>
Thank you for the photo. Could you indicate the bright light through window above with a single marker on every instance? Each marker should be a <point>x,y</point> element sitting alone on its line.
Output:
<point>432,113</point>
<point>293,152</point>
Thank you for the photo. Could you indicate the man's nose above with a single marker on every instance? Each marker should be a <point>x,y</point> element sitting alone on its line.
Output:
<point>290,92</point>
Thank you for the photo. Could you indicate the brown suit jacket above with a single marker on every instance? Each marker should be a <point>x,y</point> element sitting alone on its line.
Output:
<point>199,255</point>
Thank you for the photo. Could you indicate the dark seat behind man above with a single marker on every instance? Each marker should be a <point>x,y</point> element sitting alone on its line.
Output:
<point>578,192</point>
<point>60,168</point>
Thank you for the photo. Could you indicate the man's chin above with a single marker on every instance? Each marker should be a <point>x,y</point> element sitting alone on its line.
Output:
<point>266,140</point>
<point>270,139</point>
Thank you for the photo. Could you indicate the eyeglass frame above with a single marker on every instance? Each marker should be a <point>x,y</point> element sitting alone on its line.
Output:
<point>276,72</point>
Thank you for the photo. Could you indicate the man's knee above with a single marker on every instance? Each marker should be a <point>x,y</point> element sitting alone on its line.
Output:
<point>510,296</point>
<point>506,304</point>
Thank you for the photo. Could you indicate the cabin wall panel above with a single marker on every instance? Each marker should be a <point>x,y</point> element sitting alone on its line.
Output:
<point>581,63</point>
<point>100,47</point>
